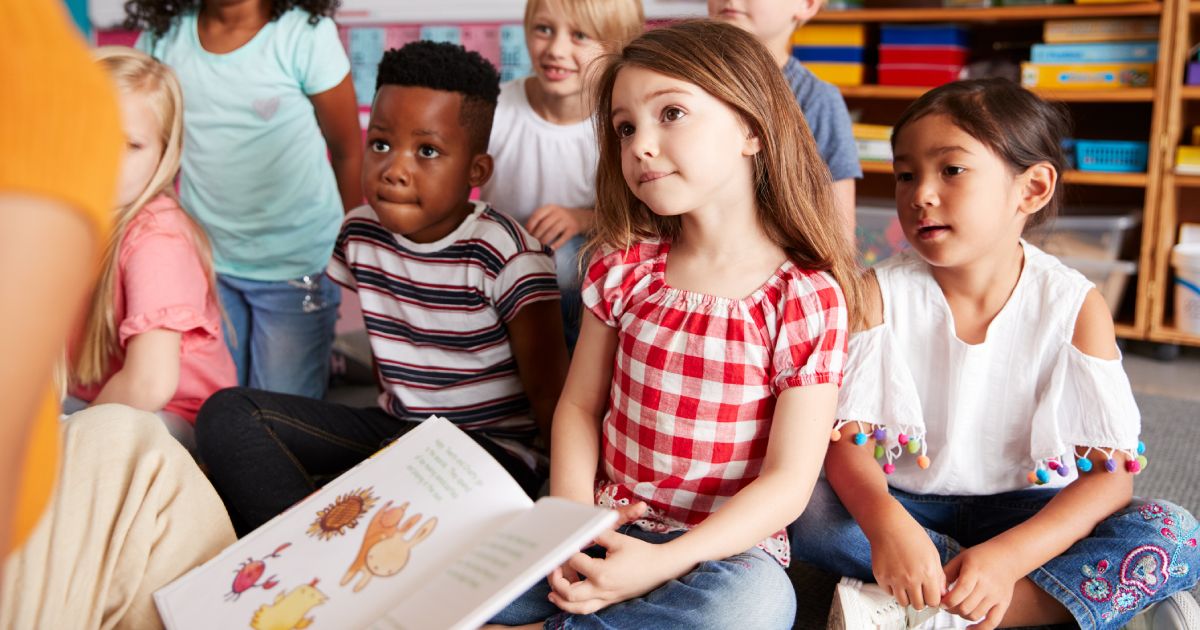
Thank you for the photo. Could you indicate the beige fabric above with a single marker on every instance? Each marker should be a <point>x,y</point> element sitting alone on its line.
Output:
<point>131,512</point>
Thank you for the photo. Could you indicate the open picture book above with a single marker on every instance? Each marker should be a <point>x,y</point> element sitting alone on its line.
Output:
<point>430,532</point>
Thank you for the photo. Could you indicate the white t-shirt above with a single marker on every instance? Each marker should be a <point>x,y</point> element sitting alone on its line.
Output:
<point>986,414</point>
<point>537,161</point>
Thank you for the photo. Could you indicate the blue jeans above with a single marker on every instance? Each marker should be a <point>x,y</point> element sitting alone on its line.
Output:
<point>1138,556</point>
<point>566,262</point>
<point>280,333</point>
<point>747,591</point>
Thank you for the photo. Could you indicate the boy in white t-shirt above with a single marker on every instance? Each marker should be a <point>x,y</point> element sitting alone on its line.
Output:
<point>543,142</point>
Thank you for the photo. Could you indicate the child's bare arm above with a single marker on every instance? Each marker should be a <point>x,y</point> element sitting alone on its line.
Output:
<point>150,375</point>
<point>535,335</point>
<point>337,114</point>
<point>575,446</point>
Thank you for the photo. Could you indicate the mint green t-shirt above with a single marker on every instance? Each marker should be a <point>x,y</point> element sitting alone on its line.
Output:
<point>255,169</point>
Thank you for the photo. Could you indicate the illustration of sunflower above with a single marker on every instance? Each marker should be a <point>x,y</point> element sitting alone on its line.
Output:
<point>342,514</point>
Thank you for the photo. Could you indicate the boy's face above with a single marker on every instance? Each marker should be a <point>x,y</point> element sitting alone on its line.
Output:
<point>765,19</point>
<point>419,166</point>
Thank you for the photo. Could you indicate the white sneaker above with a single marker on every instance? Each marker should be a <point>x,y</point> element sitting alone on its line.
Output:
<point>1177,612</point>
<point>859,606</point>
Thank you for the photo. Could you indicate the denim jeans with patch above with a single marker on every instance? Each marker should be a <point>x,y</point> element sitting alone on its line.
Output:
<point>280,333</point>
<point>1136,557</point>
<point>748,591</point>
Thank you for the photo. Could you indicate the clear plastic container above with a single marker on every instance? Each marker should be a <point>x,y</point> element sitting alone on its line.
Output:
<point>1095,237</point>
<point>877,230</point>
<point>1110,276</point>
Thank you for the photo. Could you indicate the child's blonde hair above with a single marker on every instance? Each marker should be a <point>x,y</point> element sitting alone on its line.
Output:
<point>134,72</point>
<point>793,190</point>
<point>612,22</point>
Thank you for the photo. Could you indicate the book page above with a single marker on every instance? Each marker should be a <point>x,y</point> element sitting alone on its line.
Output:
<point>501,566</point>
<point>347,554</point>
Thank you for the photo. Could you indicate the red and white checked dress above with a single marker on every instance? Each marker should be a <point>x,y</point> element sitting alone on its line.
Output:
<point>695,379</point>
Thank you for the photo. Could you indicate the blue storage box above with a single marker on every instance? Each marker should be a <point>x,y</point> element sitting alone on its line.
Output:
<point>923,35</point>
<point>1111,52</point>
<point>1112,156</point>
<point>835,54</point>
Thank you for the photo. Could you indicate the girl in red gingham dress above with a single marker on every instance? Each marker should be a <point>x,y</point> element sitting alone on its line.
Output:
<point>702,390</point>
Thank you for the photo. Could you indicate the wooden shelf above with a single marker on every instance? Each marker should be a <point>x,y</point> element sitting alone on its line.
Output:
<point>1187,181</point>
<point>1126,95</point>
<point>997,14</point>
<point>1091,178</point>
<point>1190,92</point>
<point>1194,7</point>
<point>1128,180</point>
<point>883,168</point>
<point>1171,334</point>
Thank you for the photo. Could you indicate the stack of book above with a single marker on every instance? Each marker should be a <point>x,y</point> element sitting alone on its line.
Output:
<point>921,55</point>
<point>874,142</point>
<point>833,52</point>
<point>1091,54</point>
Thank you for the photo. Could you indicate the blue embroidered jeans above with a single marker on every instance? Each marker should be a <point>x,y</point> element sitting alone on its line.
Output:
<point>748,591</point>
<point>1132,559</point>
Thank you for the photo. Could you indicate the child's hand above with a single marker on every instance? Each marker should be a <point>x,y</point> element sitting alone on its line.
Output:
<point>631,569</point>
<point>555,225</point>
<point>906,562</point>
<point>983,586</point>
<point>630,513</point>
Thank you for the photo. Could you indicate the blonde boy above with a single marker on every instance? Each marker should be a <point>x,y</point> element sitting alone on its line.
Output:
<point>773,22</point>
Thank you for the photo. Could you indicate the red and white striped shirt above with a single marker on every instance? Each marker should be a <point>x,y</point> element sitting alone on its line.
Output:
<point>695,380</point>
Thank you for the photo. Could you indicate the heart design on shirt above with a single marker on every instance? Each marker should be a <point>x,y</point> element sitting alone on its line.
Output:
<point>266,107</point>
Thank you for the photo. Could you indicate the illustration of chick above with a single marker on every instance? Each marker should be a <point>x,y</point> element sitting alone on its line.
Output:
<point>289,609</point>
<point>384,550</point>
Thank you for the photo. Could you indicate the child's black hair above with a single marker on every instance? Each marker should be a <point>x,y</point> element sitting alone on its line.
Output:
<point>449,68</point>
<point>156,16</point>
<point>1016,124</point>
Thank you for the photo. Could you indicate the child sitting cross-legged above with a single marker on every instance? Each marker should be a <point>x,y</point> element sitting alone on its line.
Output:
<point>460,302</point>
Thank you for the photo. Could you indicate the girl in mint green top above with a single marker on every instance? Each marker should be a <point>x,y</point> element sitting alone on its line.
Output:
<point>272,156</point>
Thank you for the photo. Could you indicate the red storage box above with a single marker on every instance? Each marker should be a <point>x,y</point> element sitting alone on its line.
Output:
<point>925,55</point>
<point>919,75</point>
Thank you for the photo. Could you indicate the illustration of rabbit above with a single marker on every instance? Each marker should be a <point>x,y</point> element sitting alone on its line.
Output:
<point>385,550</point>
<point>288,610</point>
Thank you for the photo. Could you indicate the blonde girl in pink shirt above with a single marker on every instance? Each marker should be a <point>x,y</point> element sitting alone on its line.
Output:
<point>152,338</point>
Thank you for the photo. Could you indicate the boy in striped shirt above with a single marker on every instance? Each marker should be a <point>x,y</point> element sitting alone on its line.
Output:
<point>460,303</point>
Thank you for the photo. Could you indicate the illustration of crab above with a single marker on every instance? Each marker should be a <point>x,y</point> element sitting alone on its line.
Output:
<point>249,573</point>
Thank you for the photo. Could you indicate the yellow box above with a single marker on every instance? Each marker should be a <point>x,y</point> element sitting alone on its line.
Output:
<point>864,131</point>
<point>837,73</point>
<point>830,35</point>
<point>1187,155</point>
<point>1087,76</point>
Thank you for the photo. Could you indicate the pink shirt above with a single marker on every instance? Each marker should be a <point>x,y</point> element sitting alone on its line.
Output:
<point>162,285</point>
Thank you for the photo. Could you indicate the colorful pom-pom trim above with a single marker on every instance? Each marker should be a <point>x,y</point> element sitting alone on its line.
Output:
<point>889,445</point>
<point>1135,463</point>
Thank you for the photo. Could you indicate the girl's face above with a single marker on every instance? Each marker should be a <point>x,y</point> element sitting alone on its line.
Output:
<point>143,145</point>
<point>561,53</point>
<point>681,148</point>
<point>957,200</point>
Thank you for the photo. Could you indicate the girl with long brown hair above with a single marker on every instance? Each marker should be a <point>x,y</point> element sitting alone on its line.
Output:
<point>152,338</point>
<point>702,390</point>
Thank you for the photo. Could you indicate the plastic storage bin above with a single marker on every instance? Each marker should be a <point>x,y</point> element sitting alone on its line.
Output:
<point>1093,237</point>
<point>877,231</point>
<point>1115,156</point>
<point>1110,277</point>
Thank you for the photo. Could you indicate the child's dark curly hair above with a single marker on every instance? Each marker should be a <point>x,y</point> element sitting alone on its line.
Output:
<point>156,16</point>
<point>449,68</point>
